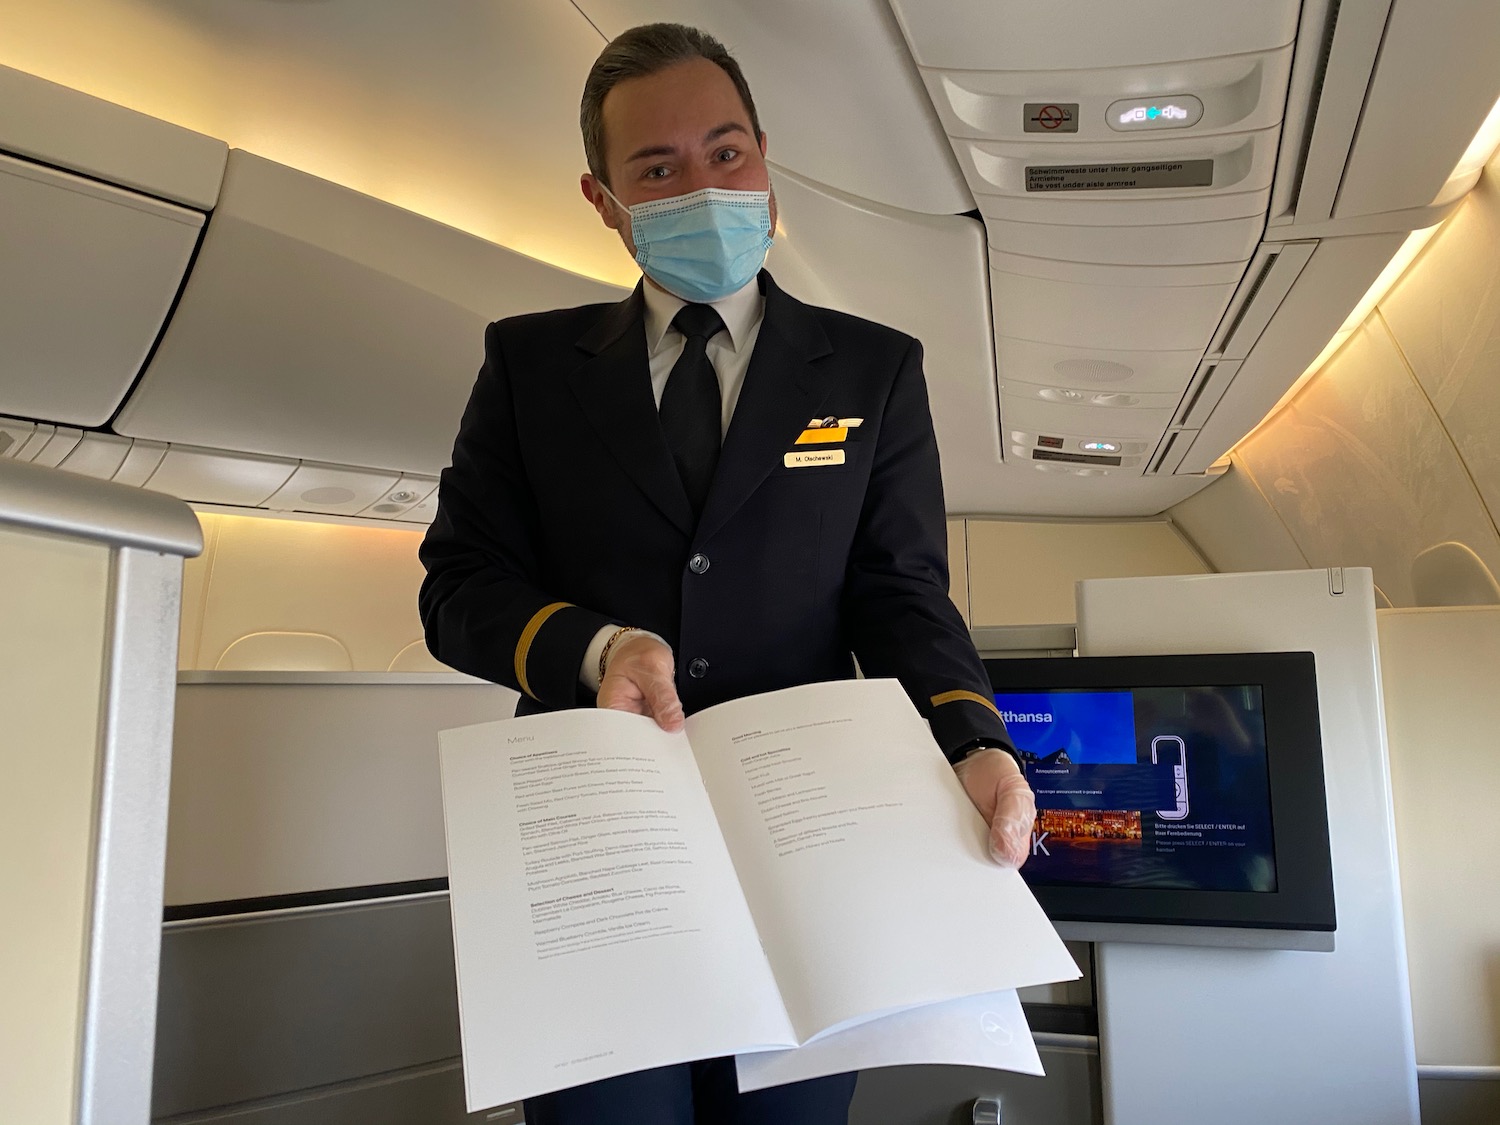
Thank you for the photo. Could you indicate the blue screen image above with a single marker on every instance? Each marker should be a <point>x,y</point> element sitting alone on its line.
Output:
<point>1094,727</point>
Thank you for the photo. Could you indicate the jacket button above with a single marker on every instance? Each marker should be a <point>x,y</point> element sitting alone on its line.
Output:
<point>698,667</point>
<point>698,564</point>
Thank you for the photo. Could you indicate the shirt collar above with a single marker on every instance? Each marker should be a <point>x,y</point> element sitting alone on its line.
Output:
<point>740,311</point>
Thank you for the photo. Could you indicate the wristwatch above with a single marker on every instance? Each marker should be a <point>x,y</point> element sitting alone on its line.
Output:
<point>984,744</point>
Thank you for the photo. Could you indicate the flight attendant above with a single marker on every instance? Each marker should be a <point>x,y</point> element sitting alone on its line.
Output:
<point>705,491</point>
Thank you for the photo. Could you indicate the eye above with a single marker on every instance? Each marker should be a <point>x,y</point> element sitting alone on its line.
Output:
<point>656,172</point>
<point>726,155</point>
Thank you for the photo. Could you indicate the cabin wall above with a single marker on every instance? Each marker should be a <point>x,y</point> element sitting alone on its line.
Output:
<point>54,603</point>
<point>1393,447</point>
<point>272,594</point>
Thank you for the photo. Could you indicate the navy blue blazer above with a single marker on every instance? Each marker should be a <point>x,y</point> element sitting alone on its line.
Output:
<point>562,512</point>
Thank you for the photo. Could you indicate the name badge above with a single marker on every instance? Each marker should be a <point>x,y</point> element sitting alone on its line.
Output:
<point>813,458</point>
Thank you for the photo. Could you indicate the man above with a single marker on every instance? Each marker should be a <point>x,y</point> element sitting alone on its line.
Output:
<point>706,491</point>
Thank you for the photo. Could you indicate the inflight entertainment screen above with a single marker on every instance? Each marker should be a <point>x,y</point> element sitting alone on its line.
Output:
<point>1147,787</point>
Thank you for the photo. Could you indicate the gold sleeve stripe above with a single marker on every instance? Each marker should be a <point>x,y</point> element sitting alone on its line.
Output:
<point>528,634</point>
<point>971,696</point>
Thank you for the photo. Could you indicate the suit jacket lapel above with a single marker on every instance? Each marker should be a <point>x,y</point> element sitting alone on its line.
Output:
<point>613,389</point>
<point>781,392</point>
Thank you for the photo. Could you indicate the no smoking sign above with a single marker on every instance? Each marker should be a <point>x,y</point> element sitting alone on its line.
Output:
<point>1050,117</point>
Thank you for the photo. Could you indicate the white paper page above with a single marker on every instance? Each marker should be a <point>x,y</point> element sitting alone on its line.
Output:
<point>866,866</point>
<point>987,1031</point>
<point>598,928</point>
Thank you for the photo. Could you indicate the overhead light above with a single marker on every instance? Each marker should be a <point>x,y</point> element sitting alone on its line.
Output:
<point>1099,446</point>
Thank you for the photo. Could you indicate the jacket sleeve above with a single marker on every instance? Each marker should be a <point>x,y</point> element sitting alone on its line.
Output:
<point>484,605</point>
<point>896,608</point>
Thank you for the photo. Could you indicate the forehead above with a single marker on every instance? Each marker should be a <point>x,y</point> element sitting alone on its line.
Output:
<point>676,106</point>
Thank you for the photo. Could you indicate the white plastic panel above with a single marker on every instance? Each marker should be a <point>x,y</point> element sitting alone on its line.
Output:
<point>1238,93</point>
<point>97,455</point>
<point>401,497</point>
<point>368,327</point>
<point>14,434</point>
<point>1119,308</point>
<point>1242,162</point>
<point>140,462</point>
<point>1080,34</point>
<point>424,511</point>
<point>1252,1037</point>
<point>70,129</point>
<point>1432,55</point>
<point>873,132</point>
<point>345,778</point>
<point>88,275</point>
<point>1359,469</point>
<point>1269,278</point>
<point>1090,208</point>
<point>1228,240</point>
<point>1445,315</point>
<point>59,445</point>
<point>1130,423</point>
<point>211,476</point>
<point>34,441</point>
<point>1442,711</point>
<point>1097,370</point>
<point>331,490</point>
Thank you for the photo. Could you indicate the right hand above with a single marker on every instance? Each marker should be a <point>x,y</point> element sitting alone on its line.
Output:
<point>640,679</point>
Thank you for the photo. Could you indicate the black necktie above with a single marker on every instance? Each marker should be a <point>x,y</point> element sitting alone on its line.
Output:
<point>690,405</point>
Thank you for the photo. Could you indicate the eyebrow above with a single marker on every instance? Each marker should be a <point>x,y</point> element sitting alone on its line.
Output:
<point>668,150</point>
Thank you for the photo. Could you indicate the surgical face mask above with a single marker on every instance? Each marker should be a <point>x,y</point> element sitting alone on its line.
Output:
<point>701,246</point>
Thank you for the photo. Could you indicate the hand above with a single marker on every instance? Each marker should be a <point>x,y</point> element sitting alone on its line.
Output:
<point>997,787</point>
<point>639,679</point>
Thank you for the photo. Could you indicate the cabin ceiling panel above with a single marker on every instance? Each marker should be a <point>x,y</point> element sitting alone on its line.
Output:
<point>1445,317</point>
<point>465,111</point>
<point>1087,34</point>
<point>1361,473</point>
<point>926,275</point>
<point>87,275</point>
<point>321,324</point>
<point>838,95</point>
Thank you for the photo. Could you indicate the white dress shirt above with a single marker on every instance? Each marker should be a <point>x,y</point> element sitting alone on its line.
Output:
<point>729,352</point>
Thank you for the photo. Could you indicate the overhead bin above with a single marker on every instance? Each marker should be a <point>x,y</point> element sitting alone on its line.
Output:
<point>65,128</point>
<point>324,325</point>
<point>87,278</point>
<point>1389,95</point>
<point>1024,35</point>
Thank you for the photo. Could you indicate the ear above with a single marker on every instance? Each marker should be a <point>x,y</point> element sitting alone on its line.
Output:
<point>763,143</point>
<point>593,191</point>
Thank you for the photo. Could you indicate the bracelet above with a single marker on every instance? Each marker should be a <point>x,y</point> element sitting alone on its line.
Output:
<point>610,644</point>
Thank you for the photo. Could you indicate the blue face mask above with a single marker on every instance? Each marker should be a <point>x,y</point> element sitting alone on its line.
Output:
<point>702,246</point>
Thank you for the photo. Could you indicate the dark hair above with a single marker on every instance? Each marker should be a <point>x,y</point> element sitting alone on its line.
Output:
<point>644,51</point>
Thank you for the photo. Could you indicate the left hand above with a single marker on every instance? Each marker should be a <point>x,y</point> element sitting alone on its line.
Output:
<point>997,787</point>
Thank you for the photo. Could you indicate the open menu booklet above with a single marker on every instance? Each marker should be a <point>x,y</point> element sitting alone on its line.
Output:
<point>796,878</point>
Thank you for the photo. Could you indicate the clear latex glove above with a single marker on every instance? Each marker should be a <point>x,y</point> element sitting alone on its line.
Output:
<point>997,787</point>
<point>639,679</point>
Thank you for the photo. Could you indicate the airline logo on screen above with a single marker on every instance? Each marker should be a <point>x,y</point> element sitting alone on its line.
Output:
<point>1026,716</point>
